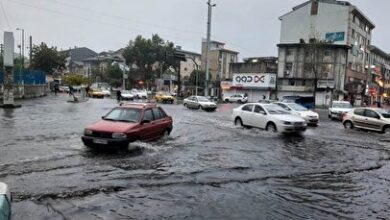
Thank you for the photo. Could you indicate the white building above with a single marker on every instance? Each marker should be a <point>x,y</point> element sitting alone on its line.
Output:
<point>338,23</point>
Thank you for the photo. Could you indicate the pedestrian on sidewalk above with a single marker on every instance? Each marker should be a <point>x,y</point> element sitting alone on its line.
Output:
<point>118,95</point>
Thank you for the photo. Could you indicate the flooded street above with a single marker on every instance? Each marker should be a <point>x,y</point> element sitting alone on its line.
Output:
<point>206,169</point>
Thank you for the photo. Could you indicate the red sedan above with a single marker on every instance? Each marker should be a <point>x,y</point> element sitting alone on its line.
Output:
<point>128,123</point>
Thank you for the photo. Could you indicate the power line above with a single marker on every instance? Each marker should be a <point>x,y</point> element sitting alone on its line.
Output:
<point>124,18</point>
<point>5,15</point>
<point>121,27</point>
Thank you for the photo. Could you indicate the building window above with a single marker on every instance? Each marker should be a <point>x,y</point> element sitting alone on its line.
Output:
<point>288,68</point>
<point>314,8</point>
<point>354,19</point>
<point>289,52</point>
<point>353,33</point>
<point>328,53</point>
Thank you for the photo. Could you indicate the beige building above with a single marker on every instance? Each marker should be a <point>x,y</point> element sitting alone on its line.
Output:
<point>220,59</point>
<point>192,63</point>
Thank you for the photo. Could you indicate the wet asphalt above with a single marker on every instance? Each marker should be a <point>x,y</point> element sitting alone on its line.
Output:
<point>207,169</point>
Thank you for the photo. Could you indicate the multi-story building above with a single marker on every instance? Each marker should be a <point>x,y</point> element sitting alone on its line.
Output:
<point>379,67</point>
<point>220,59</point>
<point>193,62</point>
<point>341,26</point>
<point>256,77</point>
<point>75,58</point>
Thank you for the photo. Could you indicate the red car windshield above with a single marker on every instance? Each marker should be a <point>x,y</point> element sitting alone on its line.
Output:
<point>124,114</point>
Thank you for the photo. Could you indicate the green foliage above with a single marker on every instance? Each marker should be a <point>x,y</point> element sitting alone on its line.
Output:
<point>115,75</point>
<point>46,59</point>
<point>145,53</point>
<point>75,79</point>
<point>201,78</point>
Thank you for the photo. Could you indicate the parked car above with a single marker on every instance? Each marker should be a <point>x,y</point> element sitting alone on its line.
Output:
<point>306,101</point>
<point>239,98</point>
<point>375,119</point>
<point>128,123</point>
<point>127,95</point>
<point>5,202</point>
<point>164,97</point>
<point>338,108</point>
<point>106,92</point>
<point>140,94</point>
<point>312,118</point>
<point>270,117</point>
<point>95,93</point>
<point>199,102</point>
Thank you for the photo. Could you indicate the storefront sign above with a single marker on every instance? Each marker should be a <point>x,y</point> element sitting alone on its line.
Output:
<point>254,80</point>
<point>226,85</point>
<point>323,84</point>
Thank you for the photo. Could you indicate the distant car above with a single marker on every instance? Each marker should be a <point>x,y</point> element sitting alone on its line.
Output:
<point>199,102</point>
<point>306,101</point>
<point>106,92</point>
<point>140,94</point>
<point>375,119</point>
<point>95,93</point>
<point>338,108</point>
<point>64,89</point>
<point>270,117</point>
<point>127,95</point>
<point>5,202</point>
<point>164,97</point>
<point>128,123</point>
<point>239,98</point>
<point>312,118</point>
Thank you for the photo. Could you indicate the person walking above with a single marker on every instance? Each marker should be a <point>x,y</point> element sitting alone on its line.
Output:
<point>118,95</point>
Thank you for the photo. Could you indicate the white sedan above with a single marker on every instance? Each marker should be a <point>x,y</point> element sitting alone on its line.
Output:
<point>199,102</point>
<point>312,118</point>
<point>338,108</point>
<point>270,117</point>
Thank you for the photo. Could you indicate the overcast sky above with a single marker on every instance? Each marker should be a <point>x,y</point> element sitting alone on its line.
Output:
<point>251,27</point>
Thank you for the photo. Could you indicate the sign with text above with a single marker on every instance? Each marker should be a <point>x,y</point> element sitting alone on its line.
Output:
<point>336,36</point>
<point>254,80</point>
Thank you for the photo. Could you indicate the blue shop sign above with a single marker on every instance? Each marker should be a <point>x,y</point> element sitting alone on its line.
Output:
<point>337,36</point>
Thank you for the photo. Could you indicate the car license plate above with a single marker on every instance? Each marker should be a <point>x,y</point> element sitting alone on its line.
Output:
<point>100,141</point>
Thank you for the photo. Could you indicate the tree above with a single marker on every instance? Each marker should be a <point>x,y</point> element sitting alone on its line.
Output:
<point>315,60</point>
<point>75,79</point>
<point>115,75</point>
<point>147,53</point>
<point>46,59</point>
<point>197,76</point>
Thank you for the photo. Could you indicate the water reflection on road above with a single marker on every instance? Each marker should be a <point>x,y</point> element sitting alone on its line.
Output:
<point>207,169</point>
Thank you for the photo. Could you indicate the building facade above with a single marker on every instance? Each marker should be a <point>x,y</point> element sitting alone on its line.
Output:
<point>193,62</point>
<point>379,82</point>
<point>220,59</point>
<point>255,77</point>
<point>336,23</point>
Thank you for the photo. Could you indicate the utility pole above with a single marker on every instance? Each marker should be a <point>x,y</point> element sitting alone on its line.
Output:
<point>210,8</point>
<point>30,51</point>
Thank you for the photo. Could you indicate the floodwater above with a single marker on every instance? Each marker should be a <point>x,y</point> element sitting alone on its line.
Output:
<point>206,169</point>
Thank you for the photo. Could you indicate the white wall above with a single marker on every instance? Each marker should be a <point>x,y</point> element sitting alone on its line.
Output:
<point>299,24</point>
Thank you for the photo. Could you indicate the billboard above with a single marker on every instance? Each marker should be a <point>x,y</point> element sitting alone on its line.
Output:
<point>336,36</point>
<point>8,49</point>
<point>254,80</point>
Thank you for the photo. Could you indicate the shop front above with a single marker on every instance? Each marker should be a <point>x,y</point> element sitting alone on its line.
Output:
<point>256,86</point>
